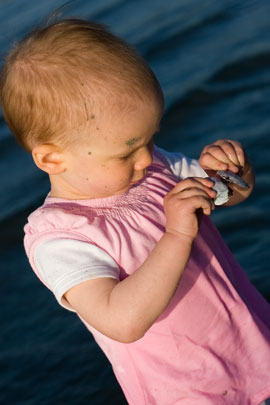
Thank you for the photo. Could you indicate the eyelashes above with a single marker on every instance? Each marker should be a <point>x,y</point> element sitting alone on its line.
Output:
<point>124,158</point>
<point>150,146</point>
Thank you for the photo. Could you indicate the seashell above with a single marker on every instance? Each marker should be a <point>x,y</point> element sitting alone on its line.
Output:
<point>223,178</point>
<point>230,177</point>
<point>222,191</point>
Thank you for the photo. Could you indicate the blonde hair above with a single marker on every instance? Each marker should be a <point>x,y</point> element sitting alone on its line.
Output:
<point>55,78</point>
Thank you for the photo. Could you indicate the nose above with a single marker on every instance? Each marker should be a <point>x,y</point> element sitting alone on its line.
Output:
<point>144,158</point>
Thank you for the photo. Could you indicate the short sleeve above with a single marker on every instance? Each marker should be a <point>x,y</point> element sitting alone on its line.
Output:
<point>64,263</point>
<point>182,166</point>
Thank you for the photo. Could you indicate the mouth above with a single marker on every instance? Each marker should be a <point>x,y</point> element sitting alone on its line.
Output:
<point>137,181</point>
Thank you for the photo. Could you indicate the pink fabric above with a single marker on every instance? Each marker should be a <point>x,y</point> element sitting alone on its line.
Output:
<point>211,344</point>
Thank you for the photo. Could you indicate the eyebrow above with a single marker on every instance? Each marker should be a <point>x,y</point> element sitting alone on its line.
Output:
<point>131,148</point>
<point>131,141</point>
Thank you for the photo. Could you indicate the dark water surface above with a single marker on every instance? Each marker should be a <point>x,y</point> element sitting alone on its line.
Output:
<point>213,61</point>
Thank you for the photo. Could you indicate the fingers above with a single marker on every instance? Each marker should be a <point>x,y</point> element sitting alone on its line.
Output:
<point>223,154</point>
<point>203,183</point>
<point>194,193</point>
<point>184,204</point>
<point>200,202</point>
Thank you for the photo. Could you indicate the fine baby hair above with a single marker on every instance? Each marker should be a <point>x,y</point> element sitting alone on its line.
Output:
<point>57,78</point>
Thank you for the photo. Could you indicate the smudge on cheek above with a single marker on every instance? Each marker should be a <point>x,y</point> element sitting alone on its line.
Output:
<point>89,153</point>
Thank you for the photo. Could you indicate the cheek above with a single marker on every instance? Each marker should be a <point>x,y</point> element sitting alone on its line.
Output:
<point>120,170</point>
<point>104,175</point>
<point>125,171</point>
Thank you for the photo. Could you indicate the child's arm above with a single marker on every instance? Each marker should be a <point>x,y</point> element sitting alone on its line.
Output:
<point>125,310</point>
<point>226,154</point>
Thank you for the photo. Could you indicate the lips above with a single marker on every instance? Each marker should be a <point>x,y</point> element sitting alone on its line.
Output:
<point>137,181</point>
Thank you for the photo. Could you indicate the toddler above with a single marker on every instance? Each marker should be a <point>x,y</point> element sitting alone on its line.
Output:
<point>124,237</point>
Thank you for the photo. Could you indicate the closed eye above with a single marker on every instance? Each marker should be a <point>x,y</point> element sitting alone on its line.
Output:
<point>127,156</point>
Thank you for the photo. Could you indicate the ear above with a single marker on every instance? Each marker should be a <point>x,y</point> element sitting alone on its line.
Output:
<point>49,158</point>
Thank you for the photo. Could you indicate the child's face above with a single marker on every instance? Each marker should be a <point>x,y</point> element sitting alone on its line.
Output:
<point>114,157</point>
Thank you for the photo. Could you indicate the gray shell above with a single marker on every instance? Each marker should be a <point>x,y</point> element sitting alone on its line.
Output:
<point>223,178</point>
<point>230,177</point>
<point>222,191</point>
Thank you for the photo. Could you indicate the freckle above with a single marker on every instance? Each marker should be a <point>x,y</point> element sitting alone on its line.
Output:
<point>225,393</point>
<point>89,153</point>
<point>87,178</point>
<point>97,128</point>
<point>92,117</point>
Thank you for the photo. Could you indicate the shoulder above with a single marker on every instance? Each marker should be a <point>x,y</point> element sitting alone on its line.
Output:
<point>53,222</point>
<point>181,165</point>
<point>64,263</point>
<point>52,217</point>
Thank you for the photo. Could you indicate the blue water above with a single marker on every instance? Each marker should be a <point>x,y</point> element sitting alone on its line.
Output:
<point>213,61</point>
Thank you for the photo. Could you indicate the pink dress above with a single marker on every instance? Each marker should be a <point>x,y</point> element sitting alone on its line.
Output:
<point>211,344</point>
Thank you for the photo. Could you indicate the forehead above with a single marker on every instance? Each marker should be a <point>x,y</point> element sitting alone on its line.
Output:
<point>121,127</point>
<point>136,122</point>
<point>129,122</point>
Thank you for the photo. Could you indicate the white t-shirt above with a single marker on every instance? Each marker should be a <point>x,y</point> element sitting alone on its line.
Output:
<point>65,263</point>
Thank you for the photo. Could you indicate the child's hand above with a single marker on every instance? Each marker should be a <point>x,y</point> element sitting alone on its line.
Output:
<point>223,154</point>
<point>226,154</point>
<point>183,203</point>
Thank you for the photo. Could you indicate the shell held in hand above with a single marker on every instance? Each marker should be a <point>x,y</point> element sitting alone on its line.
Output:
<point>221,179</point>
